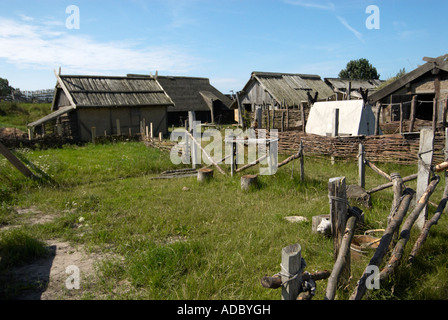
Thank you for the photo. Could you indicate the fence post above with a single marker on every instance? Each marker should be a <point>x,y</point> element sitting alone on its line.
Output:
<point>337,193</point>
<point>425,156</point>
<point>362,166</point>
<point>377,120</point>
<point>302,163</point>
<point>93,131</point>
<point>192,130</point>
<point>413,110</point>
<point>259,117</point>
<point>118,127</point>
<point>291,271</point>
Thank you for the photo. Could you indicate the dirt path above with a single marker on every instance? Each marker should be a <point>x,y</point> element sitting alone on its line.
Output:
<point>45,279</point>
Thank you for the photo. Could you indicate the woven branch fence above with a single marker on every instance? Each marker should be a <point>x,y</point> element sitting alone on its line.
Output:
<point>396,148</point>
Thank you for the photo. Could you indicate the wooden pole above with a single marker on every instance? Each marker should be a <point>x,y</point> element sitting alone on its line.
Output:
<point>336,122</point>
<point>390,184</point>
<point>378,170</point>
<point>302,114</point>
<point>398,187</point>
<point>93,132</point>
<point>426,151</point>
<point>251,164</point>
<point>434,115</point>
<point>343,258</point>
<point>338,211</point>
<point>406,231</point>
<point>361,166</point>
<point>383,246</point>
<point>240,111</point>
<point>118,127</point>
<point>291,271</point>
<point>413,112</point>
<point>428,224</point>
<point>445,109</point>
<point>302,162</point>
<point>205,153</point>
<point>377,119</point>
<point>401,117</point>
<point>16,162</point>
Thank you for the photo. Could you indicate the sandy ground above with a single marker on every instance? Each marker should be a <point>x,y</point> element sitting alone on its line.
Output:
<point>47,277</point>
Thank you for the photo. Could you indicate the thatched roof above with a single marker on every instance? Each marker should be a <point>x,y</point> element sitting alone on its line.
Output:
<point>191,93</point>
<point>290,88</point>
<point>101,91</point>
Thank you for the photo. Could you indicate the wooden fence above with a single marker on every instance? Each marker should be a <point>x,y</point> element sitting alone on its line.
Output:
<point>396,148</point>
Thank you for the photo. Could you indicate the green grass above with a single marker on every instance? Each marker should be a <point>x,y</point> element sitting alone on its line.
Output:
<point>18,115</point>
<point>210,242</point>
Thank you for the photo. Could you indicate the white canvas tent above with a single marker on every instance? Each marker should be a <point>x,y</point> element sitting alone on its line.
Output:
<point>355,118</point>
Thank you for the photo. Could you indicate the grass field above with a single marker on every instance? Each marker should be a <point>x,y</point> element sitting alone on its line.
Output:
<point>208,241</point>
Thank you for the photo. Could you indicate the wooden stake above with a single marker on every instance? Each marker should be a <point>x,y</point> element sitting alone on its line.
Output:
<point>377,119</point>
<point>413,111</point>
<point>361,166</point>
<point>291,267</point>
<point>338,211</point>
<point>426,151</point>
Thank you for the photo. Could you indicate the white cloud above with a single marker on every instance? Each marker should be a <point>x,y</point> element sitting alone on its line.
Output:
<point>350,28</point>
<point>27,44</point>
<point>312,4</point>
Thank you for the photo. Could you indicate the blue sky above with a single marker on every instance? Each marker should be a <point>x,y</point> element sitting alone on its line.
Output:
<point>224,40</point>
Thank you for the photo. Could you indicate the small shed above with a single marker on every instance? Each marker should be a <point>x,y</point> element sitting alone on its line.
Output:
<point>341,118</point>
<point>273,89</point>
<point>110,105</point>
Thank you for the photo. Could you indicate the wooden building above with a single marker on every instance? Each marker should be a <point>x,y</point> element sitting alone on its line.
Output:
<point>413,95</point>
<point>84,106</point>
<point>342,86</point>
<point>273,90</point>
<point>194,94</point>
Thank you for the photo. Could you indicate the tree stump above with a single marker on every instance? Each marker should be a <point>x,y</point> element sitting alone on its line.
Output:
<point>205,174</point>
<point>249,181</point>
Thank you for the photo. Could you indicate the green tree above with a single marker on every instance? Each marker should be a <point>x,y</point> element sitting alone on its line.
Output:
<point>360,69</point>
<point>5,88</point>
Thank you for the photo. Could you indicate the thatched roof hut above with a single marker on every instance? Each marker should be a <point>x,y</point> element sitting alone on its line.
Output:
<point>103,102</point>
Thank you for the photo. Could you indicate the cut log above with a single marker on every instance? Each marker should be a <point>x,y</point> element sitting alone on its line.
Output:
<point>205,174</point>
<point>249,181</point>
